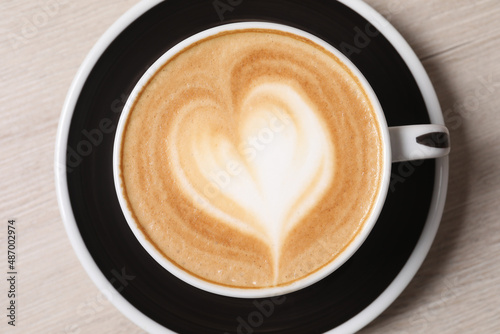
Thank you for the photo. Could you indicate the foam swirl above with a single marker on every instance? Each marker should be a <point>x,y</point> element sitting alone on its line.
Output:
<point>267,187</point>
<point>243,162</point>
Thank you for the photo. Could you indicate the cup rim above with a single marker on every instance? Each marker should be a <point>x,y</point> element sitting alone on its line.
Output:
<point>236,292</point>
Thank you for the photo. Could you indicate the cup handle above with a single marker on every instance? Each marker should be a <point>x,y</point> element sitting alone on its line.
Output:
<point>415,142</point>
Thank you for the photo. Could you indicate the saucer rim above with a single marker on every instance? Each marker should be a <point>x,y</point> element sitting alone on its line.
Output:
<point>355,323</point>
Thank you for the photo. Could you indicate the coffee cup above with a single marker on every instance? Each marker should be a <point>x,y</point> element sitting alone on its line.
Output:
<point>253,159</point>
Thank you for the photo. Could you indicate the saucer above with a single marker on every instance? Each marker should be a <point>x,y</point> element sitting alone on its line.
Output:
<point>346,300</point>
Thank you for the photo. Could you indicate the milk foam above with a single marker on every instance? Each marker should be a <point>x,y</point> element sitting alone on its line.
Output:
<point>252,158</point>
<point>290,171</point>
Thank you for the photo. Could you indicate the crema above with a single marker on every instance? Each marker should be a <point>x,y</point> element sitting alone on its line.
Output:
<point>252,158</point>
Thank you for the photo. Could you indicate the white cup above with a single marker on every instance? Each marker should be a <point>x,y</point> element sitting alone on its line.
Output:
<point>402,143</point>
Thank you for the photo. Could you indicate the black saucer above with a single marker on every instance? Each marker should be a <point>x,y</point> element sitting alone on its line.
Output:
<point>147,286</point>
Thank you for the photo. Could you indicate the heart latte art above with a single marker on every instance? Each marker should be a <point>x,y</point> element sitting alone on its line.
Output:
<point>252,158</point>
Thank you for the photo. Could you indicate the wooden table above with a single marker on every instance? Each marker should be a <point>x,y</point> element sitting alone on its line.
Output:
<point>457,290</point>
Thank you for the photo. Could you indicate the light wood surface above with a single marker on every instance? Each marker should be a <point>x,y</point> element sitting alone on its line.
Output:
<point>42,44</point>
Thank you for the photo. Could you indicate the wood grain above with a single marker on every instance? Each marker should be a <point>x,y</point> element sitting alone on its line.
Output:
<point>457,290</point>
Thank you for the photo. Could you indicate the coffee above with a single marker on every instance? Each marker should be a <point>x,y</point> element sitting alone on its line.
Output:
<point>252,158</point>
